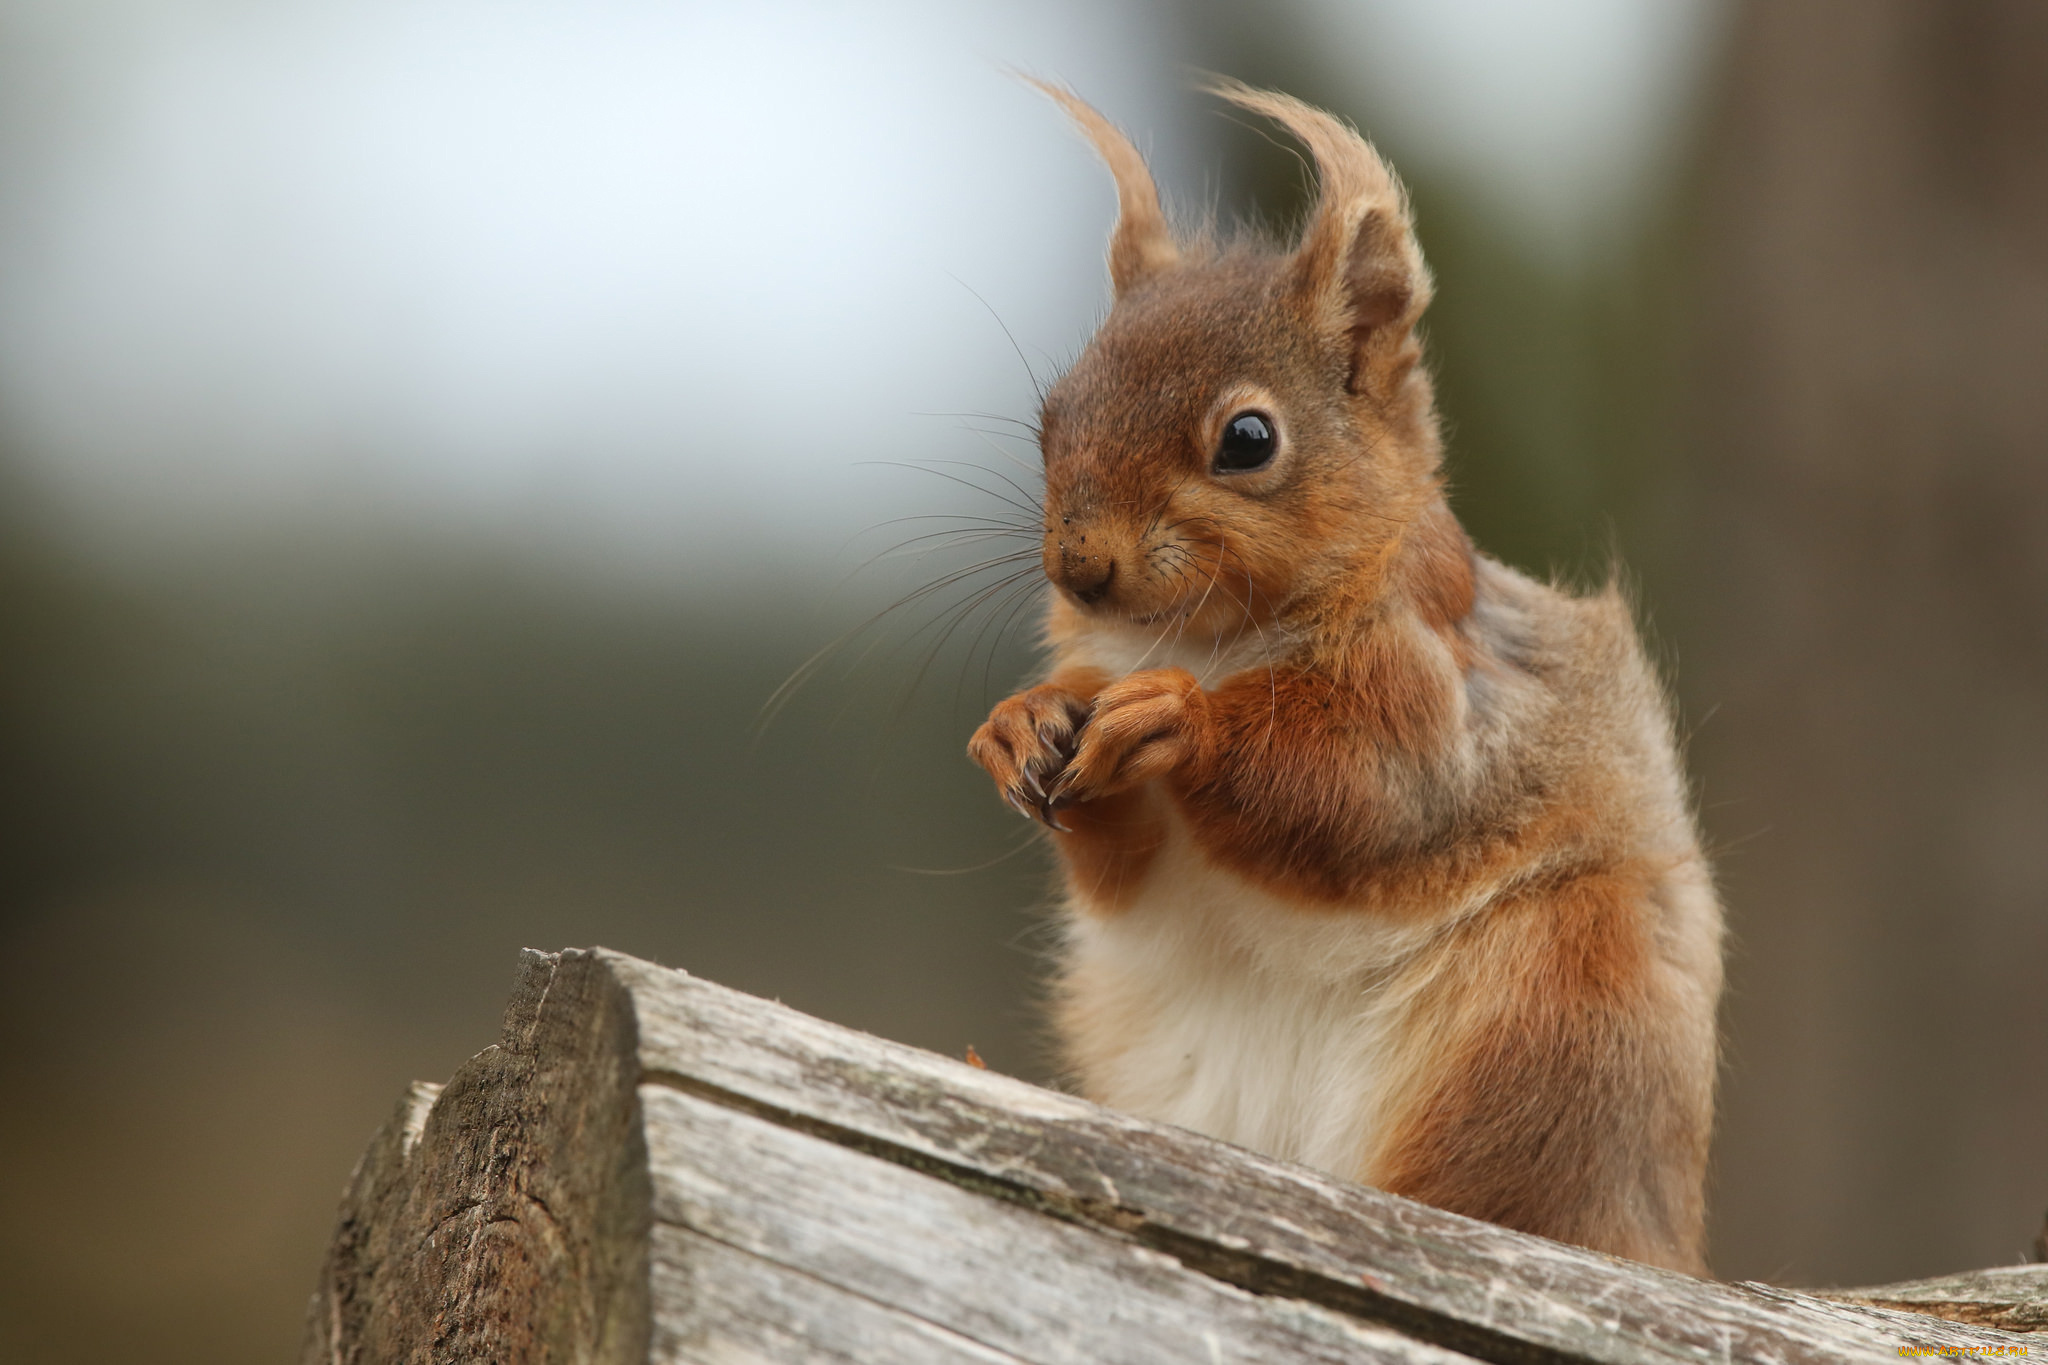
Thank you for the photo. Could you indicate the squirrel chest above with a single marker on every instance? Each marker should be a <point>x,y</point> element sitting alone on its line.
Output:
<point>1204,1000</point>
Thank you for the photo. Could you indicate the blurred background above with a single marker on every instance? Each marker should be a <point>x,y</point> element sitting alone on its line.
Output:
<point>430,431</point>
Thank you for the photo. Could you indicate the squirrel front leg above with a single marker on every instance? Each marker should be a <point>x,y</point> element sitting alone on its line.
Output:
<point>1076,751</point>
<point>1146,725</point>
<point>1027,740</point>
<point>1276,771</point>
<point>1288,782</point>
<point>1078,738</point>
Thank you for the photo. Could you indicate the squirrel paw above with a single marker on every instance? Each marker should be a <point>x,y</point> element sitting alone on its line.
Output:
<point>1026,744</point>
<point>1143,727</point>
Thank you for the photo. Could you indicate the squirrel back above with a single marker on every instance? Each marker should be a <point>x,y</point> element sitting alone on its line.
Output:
<point>1377,853</point>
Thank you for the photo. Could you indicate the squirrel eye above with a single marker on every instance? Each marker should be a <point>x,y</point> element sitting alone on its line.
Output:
<point>1248,443</point>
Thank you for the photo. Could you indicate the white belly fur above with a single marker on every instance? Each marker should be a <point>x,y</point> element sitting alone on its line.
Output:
<point>1222,1009</point>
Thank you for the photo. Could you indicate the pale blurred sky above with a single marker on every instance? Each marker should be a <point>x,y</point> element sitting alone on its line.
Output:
<point>654,276</point>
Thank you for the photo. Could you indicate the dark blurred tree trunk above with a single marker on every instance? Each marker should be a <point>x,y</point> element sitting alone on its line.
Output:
<point>1869,628</point>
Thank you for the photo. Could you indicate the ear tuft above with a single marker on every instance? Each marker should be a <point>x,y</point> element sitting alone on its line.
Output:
<point>1142,244</point>
<point>1358,255</point>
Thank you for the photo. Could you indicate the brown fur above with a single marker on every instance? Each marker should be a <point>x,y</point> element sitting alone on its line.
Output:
<point>1337,797</point>
<point>1548,998</point>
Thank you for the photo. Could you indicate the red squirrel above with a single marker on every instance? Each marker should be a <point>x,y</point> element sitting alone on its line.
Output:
<point>1377,853</point>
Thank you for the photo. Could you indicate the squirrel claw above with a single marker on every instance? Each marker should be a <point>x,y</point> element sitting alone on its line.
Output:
<point>1026,744</point>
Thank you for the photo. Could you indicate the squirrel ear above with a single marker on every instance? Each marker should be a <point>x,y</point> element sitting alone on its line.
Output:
<point>1142,244</point>
<point>1358,264</point>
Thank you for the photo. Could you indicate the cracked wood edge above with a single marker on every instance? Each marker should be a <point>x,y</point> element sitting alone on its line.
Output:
<point>331,1317</point>
<point>2013,1298</point>
<point>1260,1224</point>
<point>505,1217</point>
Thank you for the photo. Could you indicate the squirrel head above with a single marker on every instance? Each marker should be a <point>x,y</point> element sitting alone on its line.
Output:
<point>1250,433</point>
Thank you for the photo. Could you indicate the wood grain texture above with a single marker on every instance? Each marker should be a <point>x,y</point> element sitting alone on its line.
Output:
<point>716,1303</point>
<point>2012,1297</point>
<point>987,1269</point>
<point>652,1167</point>
<point>513,1227</point>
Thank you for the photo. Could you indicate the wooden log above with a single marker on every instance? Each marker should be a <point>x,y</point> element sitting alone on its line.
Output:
<point>2014,1297</point>
<point>649,1167</point>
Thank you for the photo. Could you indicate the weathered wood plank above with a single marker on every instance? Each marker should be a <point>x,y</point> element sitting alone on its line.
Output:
<point>648,1166</point>
<point>1466,1285</point>
<point>717,1305</point>
<point>987,1269</point>
<point>2013,1298</point>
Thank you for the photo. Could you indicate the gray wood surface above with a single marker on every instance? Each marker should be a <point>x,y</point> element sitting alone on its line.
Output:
<point>653,1167</point>
<point>2014,1297</point>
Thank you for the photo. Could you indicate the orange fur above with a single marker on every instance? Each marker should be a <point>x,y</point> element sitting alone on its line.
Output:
<point>1143,244</point>
<point>1109,845</point>
<point>1377,852</point>
<point>1547,1093</point>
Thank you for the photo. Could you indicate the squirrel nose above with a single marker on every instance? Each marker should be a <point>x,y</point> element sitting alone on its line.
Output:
<point>1087,576</point>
